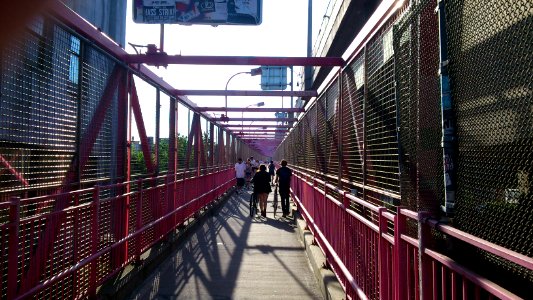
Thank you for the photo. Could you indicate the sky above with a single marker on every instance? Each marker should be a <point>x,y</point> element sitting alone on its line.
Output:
<point>283,32</point>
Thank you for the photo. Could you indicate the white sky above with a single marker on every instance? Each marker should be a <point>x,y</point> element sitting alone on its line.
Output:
<point>283,32</point>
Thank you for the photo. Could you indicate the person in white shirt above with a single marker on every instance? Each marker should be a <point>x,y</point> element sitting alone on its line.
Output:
<point>240,167</point>
<point>255,165</point>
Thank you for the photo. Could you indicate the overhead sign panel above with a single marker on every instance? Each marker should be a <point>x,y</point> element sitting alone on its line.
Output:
<point>273,78</point>
<point>190,12</point>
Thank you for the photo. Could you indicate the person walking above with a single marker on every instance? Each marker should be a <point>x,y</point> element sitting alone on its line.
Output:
<point>240,167</point>
<point>283,178</point>
<point>255,164</point>
<point>248,173</point>
<point>271,171</point>
<point>262,188</point>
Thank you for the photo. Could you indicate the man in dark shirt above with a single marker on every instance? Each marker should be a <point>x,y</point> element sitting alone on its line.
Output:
<point>283,178</point>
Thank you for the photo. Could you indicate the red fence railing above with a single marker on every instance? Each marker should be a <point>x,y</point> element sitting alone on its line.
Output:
<point>381,258</point>
<point>104,228</point>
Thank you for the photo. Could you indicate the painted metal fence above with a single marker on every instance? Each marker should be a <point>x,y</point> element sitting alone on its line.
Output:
<point>369,153</point>
<point>382,259</point>
<point>96,239</point>
<point>79,199</point>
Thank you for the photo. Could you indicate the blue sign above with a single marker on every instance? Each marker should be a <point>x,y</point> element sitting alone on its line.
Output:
<point>273,78</point>
<point>190,12</point>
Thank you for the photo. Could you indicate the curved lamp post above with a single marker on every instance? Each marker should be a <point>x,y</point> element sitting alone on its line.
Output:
<point>259,104</point>
<point>252,72</point>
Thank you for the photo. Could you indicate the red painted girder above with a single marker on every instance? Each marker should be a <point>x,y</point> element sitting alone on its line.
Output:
<point>258,130</point>
<point>12,170</point>
<point>259,119</point>
<point>163,59</point>
<point>252,109</point>
<point>312,93</point>
<point>253,126</point>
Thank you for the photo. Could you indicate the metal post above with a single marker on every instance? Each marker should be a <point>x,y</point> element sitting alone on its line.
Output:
<point>365,100</point>
<point>162,38</point>
<point>157,129</point>
<point>382,255</point>
<point>138,221</point>
<point>340,121</point>
<point>308,70</point>
<point>13,247</point>
<point>400,284</point>
<point>449,140</point>
<point>424,264</point>
<point>93,272</point>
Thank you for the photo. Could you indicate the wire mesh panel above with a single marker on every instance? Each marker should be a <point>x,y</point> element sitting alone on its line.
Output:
<point>97,68</point>
<point>491,58</point>
<point>322,138</point>
<point>353,122</point>
<point>332,130</point>
<point>380,127</point>
<point>38,107</point>
<point>417,62</point>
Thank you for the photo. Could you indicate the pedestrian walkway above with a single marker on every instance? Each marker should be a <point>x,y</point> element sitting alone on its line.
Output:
<point>233,256</point>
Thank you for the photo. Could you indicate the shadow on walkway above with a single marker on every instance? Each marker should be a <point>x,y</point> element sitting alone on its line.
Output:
<point>234,256</point>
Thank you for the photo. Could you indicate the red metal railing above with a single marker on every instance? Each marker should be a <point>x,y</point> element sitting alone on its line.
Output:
<point>377,258</point>
<point>101,231</point>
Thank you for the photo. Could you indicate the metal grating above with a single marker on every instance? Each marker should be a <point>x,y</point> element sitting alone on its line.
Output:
<point>332,132</point>
<point>353,122</point>
<point>38,107</point>
<point>380,116</point>
<point>491,58</point>
<point>418,92</point>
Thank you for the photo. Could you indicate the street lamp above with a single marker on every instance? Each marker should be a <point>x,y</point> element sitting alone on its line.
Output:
<point>259,104</point>
<point>252,72</point>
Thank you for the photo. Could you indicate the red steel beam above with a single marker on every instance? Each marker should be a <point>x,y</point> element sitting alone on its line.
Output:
<point>136,108</point>
<point>252,109</point>
<point>258,130</point>
<point>253,126</point>
<point>313,93</point>
<point>12,170</point>
<point>162,59</point>
<point>258,119</point>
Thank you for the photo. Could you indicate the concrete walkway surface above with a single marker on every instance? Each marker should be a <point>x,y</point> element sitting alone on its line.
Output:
<point>234,256</point>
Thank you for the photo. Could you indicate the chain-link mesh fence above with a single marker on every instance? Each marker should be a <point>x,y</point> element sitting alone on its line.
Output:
<point>392,132</point>
<point>491,62</point>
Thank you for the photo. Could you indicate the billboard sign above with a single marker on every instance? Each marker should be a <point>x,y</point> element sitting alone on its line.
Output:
<point>190,12</point>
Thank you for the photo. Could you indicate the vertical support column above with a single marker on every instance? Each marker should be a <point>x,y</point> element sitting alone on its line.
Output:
<point>383,258</point>
<point>424,264</point>
<point>138,221</point>
<point>93,272</point>
<point>197,142</point>
<point>13,247</point>
<point>449,140</point>
<point>228,148</point>
<point>172,159</point>
<point>365,100</point>
<point>400,256</point>
<point>211,145</point>
<point>340,130</point>
<point>157,130</point>
<point>121,205</point>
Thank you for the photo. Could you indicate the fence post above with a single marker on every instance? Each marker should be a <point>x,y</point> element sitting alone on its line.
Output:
<point>13,247</point>
<point>138,221</point>
<point>94,241</point>
<point>382,255</point>
<point>424,264</point>
<point>400,256</point>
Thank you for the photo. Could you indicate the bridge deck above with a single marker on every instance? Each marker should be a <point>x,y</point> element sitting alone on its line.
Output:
<point>232,256</point>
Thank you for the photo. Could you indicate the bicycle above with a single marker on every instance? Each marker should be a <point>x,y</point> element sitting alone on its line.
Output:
<point>253,204</point>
